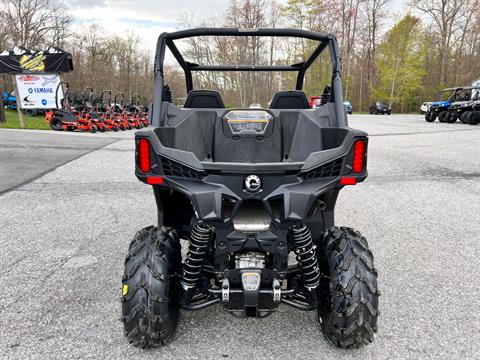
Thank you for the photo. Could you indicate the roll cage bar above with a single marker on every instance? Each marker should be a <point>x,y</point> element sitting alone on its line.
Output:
<point>167,40</point>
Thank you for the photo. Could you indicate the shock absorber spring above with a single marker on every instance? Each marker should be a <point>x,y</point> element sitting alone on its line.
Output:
<point>306,255</point>
<point>197,251</point>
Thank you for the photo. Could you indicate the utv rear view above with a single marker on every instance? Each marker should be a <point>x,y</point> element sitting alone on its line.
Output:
<point>245,188</point>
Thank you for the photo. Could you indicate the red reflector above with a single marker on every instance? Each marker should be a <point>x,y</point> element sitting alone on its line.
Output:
<point>158,180</point>
<point>358,156</point>
<point>143,147</point>
<point>348,180</point>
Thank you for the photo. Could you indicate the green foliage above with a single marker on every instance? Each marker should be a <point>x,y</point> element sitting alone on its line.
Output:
<point>31,122</point>
<point>400,59</point>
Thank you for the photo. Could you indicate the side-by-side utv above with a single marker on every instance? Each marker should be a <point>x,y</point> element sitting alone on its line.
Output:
<point>439,109</point>
<point>244,188</point>
<point>463,109</point>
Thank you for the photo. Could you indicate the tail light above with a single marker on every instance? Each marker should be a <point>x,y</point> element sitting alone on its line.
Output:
<point>143,149</point>
<point>358,164</point>
<point>347,180</point>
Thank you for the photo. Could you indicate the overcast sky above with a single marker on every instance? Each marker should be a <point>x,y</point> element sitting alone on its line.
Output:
<point>149,18</point>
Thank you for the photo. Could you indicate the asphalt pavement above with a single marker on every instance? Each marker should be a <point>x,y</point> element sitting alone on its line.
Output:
<point>27,155</point>
<point>64,236</point>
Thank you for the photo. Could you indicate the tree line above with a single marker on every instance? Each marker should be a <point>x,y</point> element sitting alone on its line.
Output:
<point>121,64</point>
<point>403,60</point>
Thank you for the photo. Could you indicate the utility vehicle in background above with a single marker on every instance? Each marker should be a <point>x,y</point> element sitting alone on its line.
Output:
<point>10,100</point>
<point>439,109</point>
<point>463,108</point>
<point>425,107</point>
<point>474,118</point>
<point>348,107</point>
<point>244,188</point>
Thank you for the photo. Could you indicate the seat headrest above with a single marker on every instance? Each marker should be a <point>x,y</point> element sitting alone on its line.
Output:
<point>204,99</point>
<point>293,99</point>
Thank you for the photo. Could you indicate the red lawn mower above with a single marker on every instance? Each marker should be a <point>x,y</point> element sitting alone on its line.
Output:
<point>125,108</point>
<point>88,111</point>
<point>66,117</point>
<point>119,114</point>
<point>105,112</point>
<point>141,112</point>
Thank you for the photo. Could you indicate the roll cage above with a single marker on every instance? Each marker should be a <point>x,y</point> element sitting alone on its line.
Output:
<point>167,40</point>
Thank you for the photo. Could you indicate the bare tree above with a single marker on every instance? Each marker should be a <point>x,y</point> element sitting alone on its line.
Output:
<point>445,15</point>
<point>33,22</point>
<point>375,13</point>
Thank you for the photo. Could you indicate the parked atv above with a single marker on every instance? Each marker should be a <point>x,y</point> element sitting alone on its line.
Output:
<point>439,109</point>
<point>245,188</point>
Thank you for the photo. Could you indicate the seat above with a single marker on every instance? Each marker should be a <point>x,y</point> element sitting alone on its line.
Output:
<point>293,99</point>
<point>204,99</point>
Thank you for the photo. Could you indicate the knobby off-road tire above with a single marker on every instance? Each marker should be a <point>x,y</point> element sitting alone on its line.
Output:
<point>151,287</point>
<point>451,117</point>
<point>430,117</point>
<point>349,316</point>
<point>442,117</point>
<point>473,117</point>
<point>463,117</point>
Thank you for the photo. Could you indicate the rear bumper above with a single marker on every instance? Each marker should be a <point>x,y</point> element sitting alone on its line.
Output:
<point>209,185</point>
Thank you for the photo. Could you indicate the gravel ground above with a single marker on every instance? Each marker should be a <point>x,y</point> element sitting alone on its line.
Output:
<point>64,237</point>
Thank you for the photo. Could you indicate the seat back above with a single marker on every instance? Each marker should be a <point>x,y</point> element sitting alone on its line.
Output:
<point>204,99</point>
<point>293,99</point>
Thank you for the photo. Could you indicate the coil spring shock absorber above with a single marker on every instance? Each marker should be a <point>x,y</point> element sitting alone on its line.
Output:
<point>306,255</point>
<point>197,251</point>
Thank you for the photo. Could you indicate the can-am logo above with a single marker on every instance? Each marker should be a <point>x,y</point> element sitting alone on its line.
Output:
<point>26,78</point>
<point>253,183</point>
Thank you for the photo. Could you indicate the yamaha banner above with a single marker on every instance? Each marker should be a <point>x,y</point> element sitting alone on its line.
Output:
<point>22,61</point>
<point>38,91</point>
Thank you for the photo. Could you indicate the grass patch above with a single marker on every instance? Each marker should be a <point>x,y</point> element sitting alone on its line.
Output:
<point>31,122</point>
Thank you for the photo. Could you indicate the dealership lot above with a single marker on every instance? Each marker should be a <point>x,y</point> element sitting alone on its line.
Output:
<point>64,234</point>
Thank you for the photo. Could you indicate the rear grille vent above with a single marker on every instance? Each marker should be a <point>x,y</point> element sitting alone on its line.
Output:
<point>327,170</point>
<point>172,168</point>
<point>325,98</point>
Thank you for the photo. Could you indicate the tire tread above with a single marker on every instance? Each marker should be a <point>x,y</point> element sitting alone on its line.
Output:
<point>150,308</point>
<point>349,319</point>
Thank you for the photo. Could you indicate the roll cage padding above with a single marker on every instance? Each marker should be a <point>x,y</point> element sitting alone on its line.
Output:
<point>204,99</point>
<point>293,99</point>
